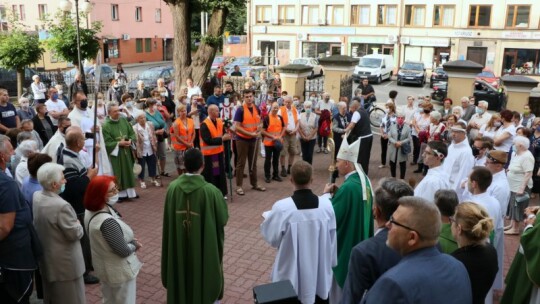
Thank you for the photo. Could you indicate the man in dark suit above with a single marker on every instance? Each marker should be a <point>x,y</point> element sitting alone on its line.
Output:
<point>424,274</point>
<point>371,258</point>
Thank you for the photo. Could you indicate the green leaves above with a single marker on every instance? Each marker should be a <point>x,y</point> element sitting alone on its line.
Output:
<point>19,49</point>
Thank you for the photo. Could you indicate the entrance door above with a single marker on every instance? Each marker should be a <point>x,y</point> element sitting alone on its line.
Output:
<point>268,52</point>
<point>335,50</point>
<point>106,51</point>
<point>388,50</point>
<point>477,54</point>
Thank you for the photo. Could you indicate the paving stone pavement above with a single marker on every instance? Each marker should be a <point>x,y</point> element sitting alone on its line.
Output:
<point>247,259</point>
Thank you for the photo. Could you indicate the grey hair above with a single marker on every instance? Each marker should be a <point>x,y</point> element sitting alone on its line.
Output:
<point>522,140</point>
<point>464,99</point>
<point>484,103</point>
<point>140,82</point>
<point>24,136</point>
<point>48,174</point>
<point>110,105</point>
<point>436,115</point>
<point>23,99</point>
<point>342,104</point>
<point>35,77</point>
<point>308,104</point>
<point>355,104</point>
<point>459,108</point>
<point>288,97</point>
<point>27,147</point>
<point>425,217</point>
<point>3,140</point>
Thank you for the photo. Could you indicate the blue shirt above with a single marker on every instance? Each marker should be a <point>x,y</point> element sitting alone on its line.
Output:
<point>29,186</point>
<point>217,100</point>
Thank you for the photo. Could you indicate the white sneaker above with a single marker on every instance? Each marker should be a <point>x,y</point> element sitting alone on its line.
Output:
<point>143,185</point>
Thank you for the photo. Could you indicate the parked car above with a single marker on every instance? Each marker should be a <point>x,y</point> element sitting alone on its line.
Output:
<point>374,67</point>
<point>89,72</point>
<point>8,79</point>
<point>239,61</point>
<point>495,97</point>
<point>412,72</point>
<point>317,69</point>
<point>440,90</point>
<point>488,76</point>
<point>221,61</point>
<point>150,77</point>
<point>438,74</point>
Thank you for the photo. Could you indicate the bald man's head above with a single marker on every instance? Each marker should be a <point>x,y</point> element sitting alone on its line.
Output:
<point>75,138</point>
<point>213,111</point>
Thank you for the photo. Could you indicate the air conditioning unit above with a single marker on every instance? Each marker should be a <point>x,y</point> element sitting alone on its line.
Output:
<point>321,21</point>
<point>274,21</point>
<point>392,38</point>
<point>125,37</point>
<point>405,40</point>
<point>301,37</point>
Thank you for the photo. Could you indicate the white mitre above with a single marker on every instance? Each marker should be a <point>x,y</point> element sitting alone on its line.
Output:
<point>349,152</point>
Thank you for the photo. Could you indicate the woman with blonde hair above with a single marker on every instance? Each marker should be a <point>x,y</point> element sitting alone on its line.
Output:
<point>471,228</point>
<point>490,128</point>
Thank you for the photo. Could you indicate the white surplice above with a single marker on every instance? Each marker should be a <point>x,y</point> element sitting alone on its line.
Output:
<point>458,164</point>
<point>434,180</point>
<point>54,143</point>
<point>307,246</point>
<point>500,190</point>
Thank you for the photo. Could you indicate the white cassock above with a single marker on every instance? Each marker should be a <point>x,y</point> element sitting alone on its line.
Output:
<point>85,120</point>
<point>52,146</point>
<point>435,179</point>
<point>481,162</point>
<point>493,207</point>
<point>307,246</point>
<point>458,164</point>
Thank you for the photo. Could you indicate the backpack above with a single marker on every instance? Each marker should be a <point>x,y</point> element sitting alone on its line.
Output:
<point>324,128</point>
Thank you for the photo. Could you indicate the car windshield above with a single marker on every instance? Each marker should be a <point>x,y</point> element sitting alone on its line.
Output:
<point>300,61</point>
<point>241,61</point>
<point>413,66</point>
<point>484,86</point>
<point>370,62</point>
<point>218,60</point>
<point>486,74</point>
<point>150,74</point>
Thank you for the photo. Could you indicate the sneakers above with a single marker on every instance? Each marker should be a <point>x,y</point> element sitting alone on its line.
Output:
<point>319,150</point>
<point>283,172</point>
<point>143,185</point>
<point>326,151</point>
<point>156,183</point>
<point>90,279</point>
<point>277,178</point>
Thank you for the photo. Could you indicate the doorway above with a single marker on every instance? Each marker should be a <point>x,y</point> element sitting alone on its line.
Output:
<point>477,54</point>
<point>335,50</point>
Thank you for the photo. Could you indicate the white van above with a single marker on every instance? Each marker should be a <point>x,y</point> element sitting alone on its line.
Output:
<point>375,67</point>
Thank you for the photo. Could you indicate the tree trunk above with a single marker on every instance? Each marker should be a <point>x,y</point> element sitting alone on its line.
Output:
<point>20,82</point>
<point>197,67</point>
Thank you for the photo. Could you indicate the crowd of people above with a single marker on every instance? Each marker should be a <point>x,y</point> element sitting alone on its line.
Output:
<point>64,168</point>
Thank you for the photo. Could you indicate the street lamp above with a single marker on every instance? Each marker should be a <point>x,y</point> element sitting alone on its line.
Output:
<point>66,6</point>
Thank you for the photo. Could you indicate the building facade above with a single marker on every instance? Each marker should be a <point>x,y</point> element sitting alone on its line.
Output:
<point>504,36</point>
<point>132,32</point>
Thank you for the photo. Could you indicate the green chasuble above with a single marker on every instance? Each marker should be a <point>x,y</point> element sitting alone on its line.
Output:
<point>524,274</point>
<point>354,221</point>
<point>122,164</point>
<point>195,215</point>
<point>446,240</point>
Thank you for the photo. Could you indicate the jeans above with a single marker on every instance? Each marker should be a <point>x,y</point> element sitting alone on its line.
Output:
<point>402,169</point>
<point>307,150</point>
<point>322,141</point>
<point>151,162</point>
<point>384,149</point>
<point>246,150</point>
<point>271,159</point>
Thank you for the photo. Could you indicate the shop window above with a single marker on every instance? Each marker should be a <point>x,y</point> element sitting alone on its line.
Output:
<point>415,15</point>
<point>310,14</point>
<point>360,15</point>
<point>521,62</point>
<point>264,13</point>
<point>148,45</point>
<point>315,49</point>
<point>518,16</point>
<point>334,14</point>
<point>362,49</point>
<point>112,46</point>
<point>480,15</point>
<point>139,45</point>
<point>114,12</point>
<point>286,14</point>
<point>443,15</point>
<point>386,14</point>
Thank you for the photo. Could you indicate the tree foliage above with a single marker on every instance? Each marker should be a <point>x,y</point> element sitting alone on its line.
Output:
<point>198,65</point>
<point>19,49</point>
<point>63,38</point>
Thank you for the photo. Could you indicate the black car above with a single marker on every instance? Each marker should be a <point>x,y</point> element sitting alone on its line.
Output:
<point>412,72</point>
<point>150,77</point>
<point>8,79</point>
<point>495,97</point>
<point>440,90</point>
<point>438,74</point>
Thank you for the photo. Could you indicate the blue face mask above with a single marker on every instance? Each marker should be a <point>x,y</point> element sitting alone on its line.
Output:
<point>55,96</point>
<point>514,148</point>
<point>62,188</point>
<point>479,111</point>
<point>308,111</point>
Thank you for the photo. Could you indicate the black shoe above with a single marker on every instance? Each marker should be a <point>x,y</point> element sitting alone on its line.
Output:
<point>289,170</point>
<point>90,279</point>
<point>418,171</point>
<point>267,179</point>
<point>122,199</point>
<point>277,178</point>
<point>283,172</point>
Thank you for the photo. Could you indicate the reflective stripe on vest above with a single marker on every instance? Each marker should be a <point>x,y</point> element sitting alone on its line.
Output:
<point>285,115</point>
<point>214,133</point>
<point>250,122</point>
<point>274,128</point>
<point>183,133</point>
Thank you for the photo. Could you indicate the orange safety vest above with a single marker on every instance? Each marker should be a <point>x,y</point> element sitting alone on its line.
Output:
<point>183,133</point>
<point>215,131</point>
<point>285,115</point>
<point>274,128</point>
<point>250,122</point>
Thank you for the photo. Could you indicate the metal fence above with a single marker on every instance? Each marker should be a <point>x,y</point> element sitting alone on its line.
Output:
<point>346,87</point>
<point>315,85</point>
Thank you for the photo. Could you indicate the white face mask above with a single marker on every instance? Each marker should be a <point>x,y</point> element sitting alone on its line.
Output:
<point>113,199</point>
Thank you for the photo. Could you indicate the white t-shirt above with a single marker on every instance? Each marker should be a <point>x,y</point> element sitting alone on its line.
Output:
<point>355,117</point>
<point>484,131</point>
<point>519,165</point>
<point>505,146</point>
<point>322,105</point>
<point>193,91</point>
<point>56,106</point>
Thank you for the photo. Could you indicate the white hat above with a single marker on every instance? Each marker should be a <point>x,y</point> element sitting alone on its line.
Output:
<point>348,151</point>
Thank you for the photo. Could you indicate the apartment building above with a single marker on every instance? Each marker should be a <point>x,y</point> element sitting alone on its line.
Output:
<point>501,35</point>
<point>133,31</point>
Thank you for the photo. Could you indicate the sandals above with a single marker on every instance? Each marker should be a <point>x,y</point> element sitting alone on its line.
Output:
<point>239,191</point>
<point>258,188</point>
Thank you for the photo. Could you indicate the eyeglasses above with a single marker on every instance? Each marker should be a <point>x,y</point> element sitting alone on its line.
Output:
<point>391,221</point>
<point>114,190</point>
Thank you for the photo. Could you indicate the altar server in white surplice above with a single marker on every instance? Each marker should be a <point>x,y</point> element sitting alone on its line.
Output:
<point>436,179</point>
<point>460,160</point>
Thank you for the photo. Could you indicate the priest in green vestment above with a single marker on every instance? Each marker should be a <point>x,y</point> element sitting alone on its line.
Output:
<point>523,278</point>
<point>118,135</point>
<point>353,203</point>
<point>195,215</point>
